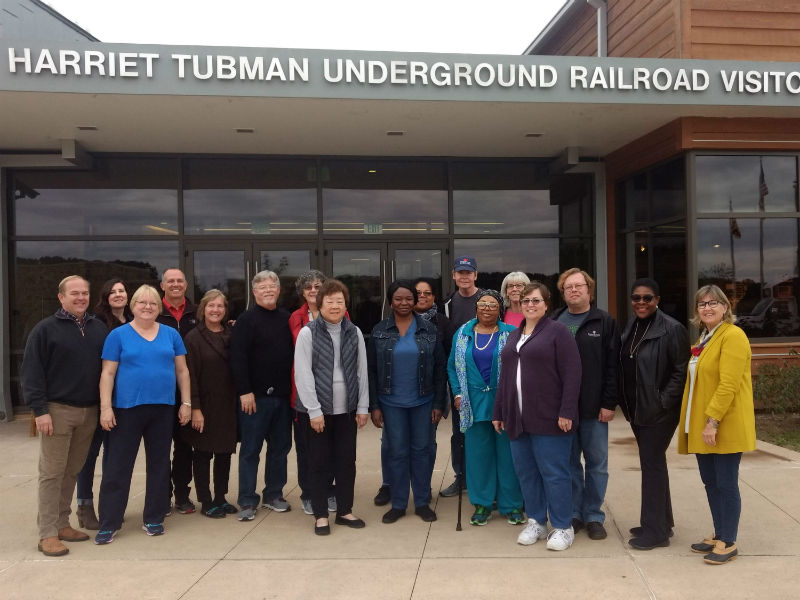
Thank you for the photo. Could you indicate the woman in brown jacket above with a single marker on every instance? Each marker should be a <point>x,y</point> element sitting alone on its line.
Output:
<point>214,403</point>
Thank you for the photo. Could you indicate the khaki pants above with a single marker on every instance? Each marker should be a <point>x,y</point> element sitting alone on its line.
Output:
<point>61,457</point>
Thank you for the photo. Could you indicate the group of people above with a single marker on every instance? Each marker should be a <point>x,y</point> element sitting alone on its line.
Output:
<point>529,391</point>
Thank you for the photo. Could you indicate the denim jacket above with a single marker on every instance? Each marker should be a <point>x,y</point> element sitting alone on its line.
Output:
<point>432,362</point>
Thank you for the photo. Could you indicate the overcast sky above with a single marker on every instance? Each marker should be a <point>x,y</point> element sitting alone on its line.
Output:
<point>460,26</point>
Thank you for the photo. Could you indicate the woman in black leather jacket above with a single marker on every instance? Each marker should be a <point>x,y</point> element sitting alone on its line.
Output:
<point>653,359</point>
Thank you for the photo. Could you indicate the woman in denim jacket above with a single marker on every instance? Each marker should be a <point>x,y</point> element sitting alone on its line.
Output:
<point>406,393</point>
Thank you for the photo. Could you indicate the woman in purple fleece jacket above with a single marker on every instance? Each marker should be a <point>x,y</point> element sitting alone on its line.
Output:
<point>537,406</point>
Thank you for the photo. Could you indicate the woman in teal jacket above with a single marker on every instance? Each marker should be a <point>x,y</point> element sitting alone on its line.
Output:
<point>473,369</point>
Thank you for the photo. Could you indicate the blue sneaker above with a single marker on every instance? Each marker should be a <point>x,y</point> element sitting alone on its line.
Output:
<point>516,517</point>
<point>104,536</point>
<point>153,528</point>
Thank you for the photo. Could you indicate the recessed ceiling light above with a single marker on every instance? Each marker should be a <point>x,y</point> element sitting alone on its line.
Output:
<point>86,128</point>
<point>244,130</point>
<point>534,134</point>
<point>716,245</point>
<point>372,171</point>
<point>395,133</point>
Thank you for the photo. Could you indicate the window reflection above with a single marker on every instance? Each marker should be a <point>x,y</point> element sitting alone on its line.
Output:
<point>735,183</point>
<point>504,211</point>
<point>755,262</point>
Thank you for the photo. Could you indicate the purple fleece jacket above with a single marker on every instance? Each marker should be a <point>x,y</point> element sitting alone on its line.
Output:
<point>551,381</point>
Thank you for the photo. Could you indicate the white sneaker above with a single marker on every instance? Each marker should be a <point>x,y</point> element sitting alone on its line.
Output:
<point>560,539</point>
<point>533,531</point>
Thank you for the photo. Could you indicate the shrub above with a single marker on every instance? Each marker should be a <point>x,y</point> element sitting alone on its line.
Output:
<point>776,388</point>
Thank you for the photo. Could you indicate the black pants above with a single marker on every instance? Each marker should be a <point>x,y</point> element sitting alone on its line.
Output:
<point>153,424</point>
<point>201,465</point>
<point>331,453</point>
<point>656,512</point>
<point>181,473</point>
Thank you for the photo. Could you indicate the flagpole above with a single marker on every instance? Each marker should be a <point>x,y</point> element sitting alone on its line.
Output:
<point>733,259</point>
<point>762,192</point>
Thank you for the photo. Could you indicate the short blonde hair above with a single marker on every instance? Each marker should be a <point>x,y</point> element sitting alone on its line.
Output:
<point>716,294</point>
<point>62,285</point>
<point>145,290</point>
<point>574,271</point>
<point>512,277</point>
<point>208,297</point>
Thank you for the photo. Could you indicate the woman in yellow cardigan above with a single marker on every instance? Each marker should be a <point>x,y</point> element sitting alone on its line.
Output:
<point>717,419</point>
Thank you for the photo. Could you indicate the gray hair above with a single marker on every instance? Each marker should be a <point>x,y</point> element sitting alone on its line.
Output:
<point>307,278</point>
<point>512,277</point>
<point>264,275</point>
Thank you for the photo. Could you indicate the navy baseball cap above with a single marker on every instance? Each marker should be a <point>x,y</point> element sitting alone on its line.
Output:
<point>465,263</point>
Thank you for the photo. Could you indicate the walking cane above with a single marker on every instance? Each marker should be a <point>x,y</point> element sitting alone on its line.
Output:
<point>460,479</point>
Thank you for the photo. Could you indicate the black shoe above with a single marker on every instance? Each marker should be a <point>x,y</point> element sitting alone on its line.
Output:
<point>577,525</point>
<point>639,531</point>
<point>185,507</point>
<point>644,543</point>
<point>383,496</point>
<point>451,490</point>
<point>393,514</point>
<point>213,511</point>
<point>352,523</point>
<point>596,531</point>
<point>322,529</point>
<point>704,547</point>
<point>425,513</point>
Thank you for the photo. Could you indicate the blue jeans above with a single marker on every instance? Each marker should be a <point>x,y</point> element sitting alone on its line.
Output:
<point>385,455</point>
<point>271,423</point>
<point>542,466</point>
<point>589,482</point>
<point>720,475</point>
<point>408,431</point>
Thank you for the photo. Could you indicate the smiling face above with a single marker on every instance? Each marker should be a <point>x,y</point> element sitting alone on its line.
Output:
<point>533,306</point>
<point>146,307</point>
<point>75,299</point>
<point>266,293</point>
<point>425,297</point>
<point>118,297</point>
<point>333,307</point>
<point>576,293</point>
<point>488,311</point>
<point>214,312</point>
<point>643,301</point>
<point>402,302</point>
<point>465,281</point>
<point>174,286</point>
<point>514,291</point>
<point>310,292</point>
<point>710,315</point>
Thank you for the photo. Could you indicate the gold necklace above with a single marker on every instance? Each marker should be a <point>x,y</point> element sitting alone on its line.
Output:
<point>634,348</point>
<point>475,339</point>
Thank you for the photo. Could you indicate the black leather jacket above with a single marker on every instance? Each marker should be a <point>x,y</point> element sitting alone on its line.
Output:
<point>661,363</point>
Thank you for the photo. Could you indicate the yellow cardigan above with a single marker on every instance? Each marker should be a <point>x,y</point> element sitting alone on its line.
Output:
<point>723,390</point>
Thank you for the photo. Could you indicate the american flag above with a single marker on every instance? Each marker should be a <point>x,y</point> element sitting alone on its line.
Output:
<point>763,190</point>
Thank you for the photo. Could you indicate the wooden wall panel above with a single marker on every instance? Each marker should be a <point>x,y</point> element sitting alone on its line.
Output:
<point>744,29</point>
<point>576,37</point>
<point>642,30</point>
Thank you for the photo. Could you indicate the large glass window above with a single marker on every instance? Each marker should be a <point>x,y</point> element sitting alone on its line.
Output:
<point>118,197</point>
<point>249,197</point>
<point>384,197</point>
<point>746,184</point>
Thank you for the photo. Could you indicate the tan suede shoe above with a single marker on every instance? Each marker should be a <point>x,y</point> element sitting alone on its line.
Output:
<point>52,546</point>
<point>68,534</point>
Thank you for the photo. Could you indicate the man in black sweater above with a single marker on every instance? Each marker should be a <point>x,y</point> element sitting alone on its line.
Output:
<point>178,312</point>
<point>60,382</point>
<point>261,355</point>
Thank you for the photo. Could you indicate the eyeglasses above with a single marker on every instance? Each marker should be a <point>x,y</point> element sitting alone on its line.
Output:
<point>709,304</point>
<point>266,287</point>
<point>488,305</point>
<point>146,303</point>
<point>647,298</point>
<point>421,293</point>
<point>534,301</point>
<point>575,286</point>
<point>314,286</point>
<point>515,286</point>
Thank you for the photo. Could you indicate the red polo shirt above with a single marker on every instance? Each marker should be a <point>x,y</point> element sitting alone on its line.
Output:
<point>176,312</point>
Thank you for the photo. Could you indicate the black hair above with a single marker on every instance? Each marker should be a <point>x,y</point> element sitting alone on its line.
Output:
<point>401,284</point>
<point>646,282</point>
<point>427,280</point>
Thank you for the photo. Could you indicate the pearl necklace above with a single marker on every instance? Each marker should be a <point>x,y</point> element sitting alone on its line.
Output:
<point>486,345</point>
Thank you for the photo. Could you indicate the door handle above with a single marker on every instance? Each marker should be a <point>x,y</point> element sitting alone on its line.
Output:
<point>247,284</point>
<point>384,285</point>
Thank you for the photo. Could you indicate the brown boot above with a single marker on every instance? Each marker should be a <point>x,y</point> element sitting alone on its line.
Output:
<point>52,546</point>
<point>87,517</point>
<point>68,534</point>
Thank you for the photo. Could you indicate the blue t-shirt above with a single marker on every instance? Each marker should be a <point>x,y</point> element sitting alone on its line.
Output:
<point>405,373</point>
<point>146,371</point>
<point>484,358</point>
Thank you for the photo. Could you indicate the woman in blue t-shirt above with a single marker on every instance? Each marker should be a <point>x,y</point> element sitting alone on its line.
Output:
<point>406,394</point>
<point>141,362</point>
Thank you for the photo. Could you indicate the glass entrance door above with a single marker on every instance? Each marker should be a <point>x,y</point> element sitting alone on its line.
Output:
<point>367,269</point>
<point>230,267</point>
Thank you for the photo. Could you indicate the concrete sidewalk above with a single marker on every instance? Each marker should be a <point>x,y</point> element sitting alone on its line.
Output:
<point>278,556</point>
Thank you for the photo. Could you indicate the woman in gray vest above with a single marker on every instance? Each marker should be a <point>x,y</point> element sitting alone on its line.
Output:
<point>330,372</point>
